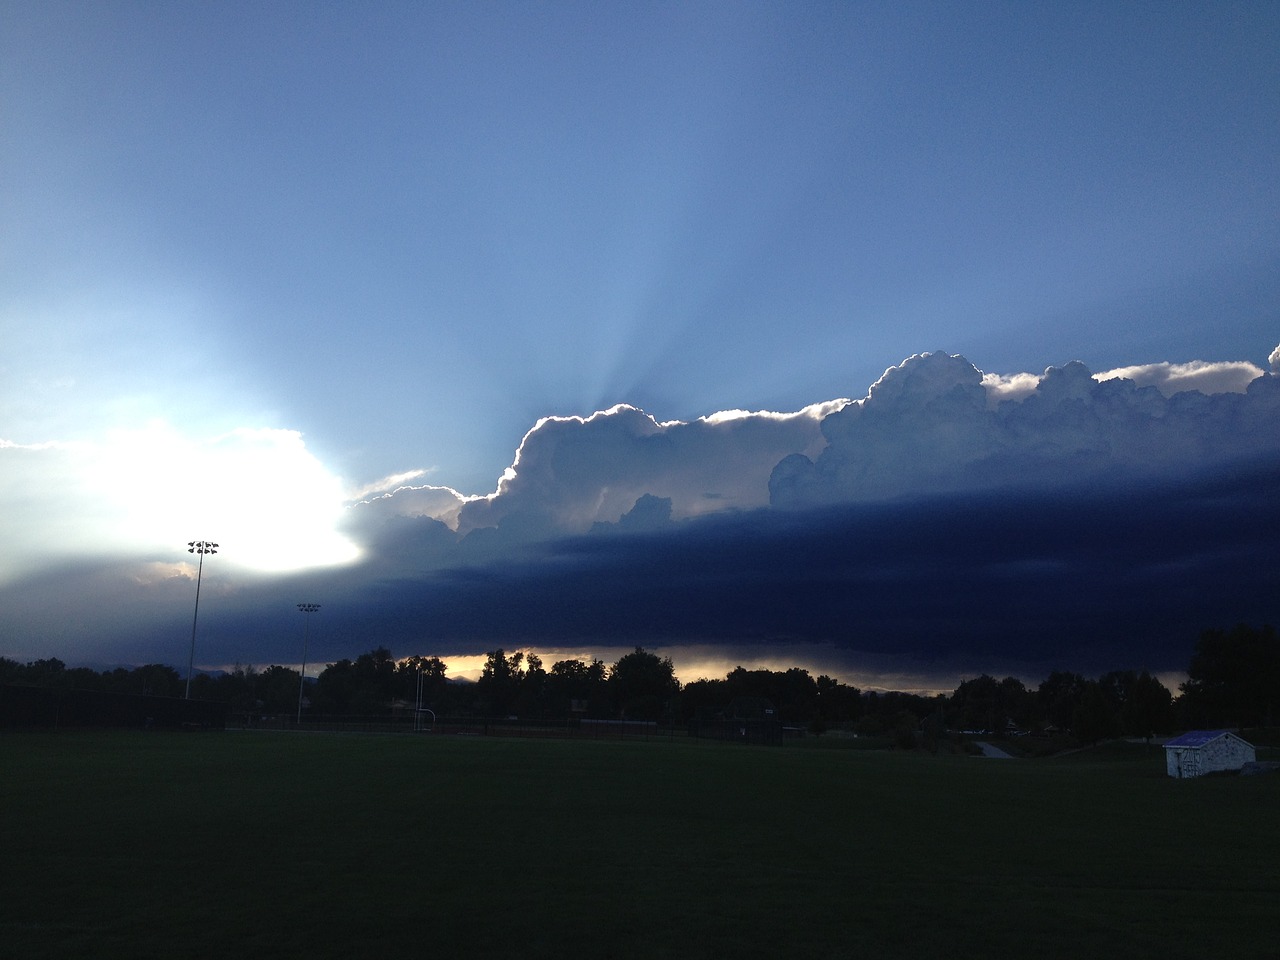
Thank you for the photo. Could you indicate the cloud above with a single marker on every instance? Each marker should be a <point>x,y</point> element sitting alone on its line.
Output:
<point>934,423</point>
<point>928,426</point>
<point>393,482</point>
<point>1274,360</point>
<point>1095,578</point>
<point>44,502</point>
<point>949,522</point>
<point>258,491</point>
<point>570,473</point>
<point>1016,386</point>
<point>1170,378</point>
<point>931,529</point>
<point>439,503</point>
<point>39,446</point>
<point>1232,376</point>
<point>649,513</point>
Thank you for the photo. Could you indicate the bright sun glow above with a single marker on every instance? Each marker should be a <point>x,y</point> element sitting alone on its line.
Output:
<point>258,492</point>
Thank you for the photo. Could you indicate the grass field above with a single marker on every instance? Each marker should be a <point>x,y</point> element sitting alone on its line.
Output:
<point>256,845</point>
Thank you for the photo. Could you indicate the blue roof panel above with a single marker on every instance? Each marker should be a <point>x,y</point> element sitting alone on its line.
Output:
<point>1195,738</point>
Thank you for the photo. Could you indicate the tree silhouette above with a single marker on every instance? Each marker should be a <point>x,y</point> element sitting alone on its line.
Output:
<point>576,686</point>
<point>432,672</point>
<point>643,685</point>
<point>1233,678</point>
<point>1094,717</point>
<point>500,681</point>
<point>1058,696</point>
<point>1142,704</point>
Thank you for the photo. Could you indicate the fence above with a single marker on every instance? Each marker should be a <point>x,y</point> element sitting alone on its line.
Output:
<point>575,728</point>
<point>743,731</point>
<point>54,708</point>
<point>572,728</point>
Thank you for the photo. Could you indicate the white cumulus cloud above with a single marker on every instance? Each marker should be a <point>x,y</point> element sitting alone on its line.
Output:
<point>438,503</point>
<point>927,426</point>
<point>1232,376</point>
<point>934,423</point>
<point>572,472</point>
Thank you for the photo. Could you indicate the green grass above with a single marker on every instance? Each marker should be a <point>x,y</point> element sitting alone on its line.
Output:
<point>313,845</point>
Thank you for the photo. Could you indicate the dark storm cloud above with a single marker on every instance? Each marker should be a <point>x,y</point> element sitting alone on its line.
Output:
<point>1092,578</point>
<point>1091,525</point>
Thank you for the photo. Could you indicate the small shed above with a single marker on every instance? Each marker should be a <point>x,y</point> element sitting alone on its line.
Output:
<point>1198,752</point>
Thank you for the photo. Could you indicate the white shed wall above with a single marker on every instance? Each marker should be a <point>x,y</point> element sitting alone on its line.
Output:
<point>1227,752</point>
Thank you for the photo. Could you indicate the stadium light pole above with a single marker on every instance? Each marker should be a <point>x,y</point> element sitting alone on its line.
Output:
<point>307,608</point>
<point>201,547</point>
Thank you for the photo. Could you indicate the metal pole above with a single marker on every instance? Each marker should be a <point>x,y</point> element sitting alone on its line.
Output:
<point>201,547</point>
<point>306,608</point>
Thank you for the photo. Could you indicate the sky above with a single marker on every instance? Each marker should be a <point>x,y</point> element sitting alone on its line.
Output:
<point>897,341</point>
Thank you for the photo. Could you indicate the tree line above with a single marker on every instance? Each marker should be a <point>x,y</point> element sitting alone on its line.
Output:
<point>1233,680</point>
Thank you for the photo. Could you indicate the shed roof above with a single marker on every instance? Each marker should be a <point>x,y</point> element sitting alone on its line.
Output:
<point>1197,738</point>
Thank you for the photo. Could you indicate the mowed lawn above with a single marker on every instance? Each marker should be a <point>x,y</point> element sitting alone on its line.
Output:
<point>138,845</point>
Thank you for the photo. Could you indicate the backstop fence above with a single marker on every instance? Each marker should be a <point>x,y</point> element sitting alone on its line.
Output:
<point>54,708</point>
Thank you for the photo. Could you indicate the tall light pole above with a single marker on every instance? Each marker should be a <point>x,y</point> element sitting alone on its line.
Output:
<point>201,547</point>
<point>307,608</point>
